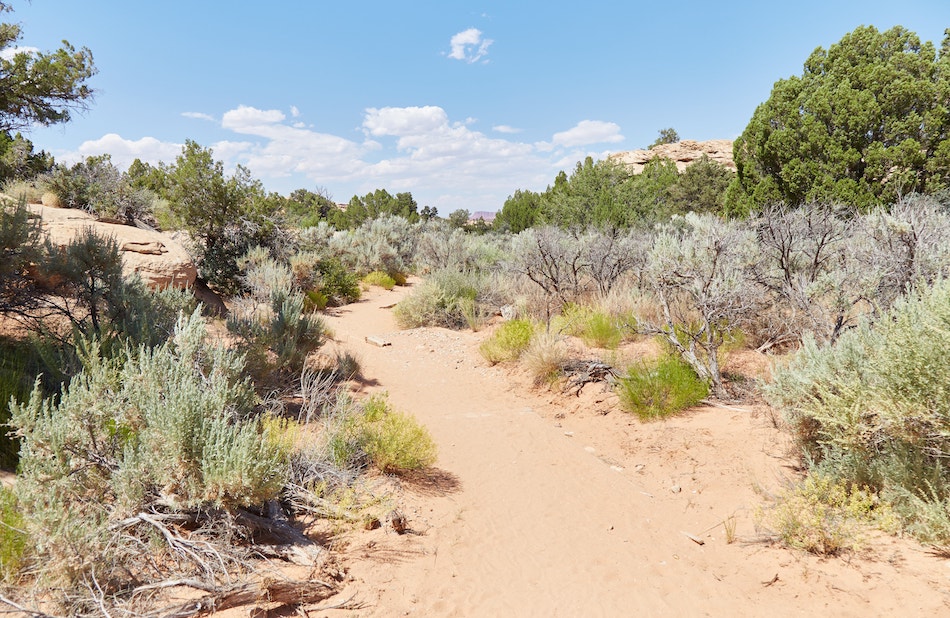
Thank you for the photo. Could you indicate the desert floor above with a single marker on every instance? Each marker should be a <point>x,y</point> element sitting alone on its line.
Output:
<point>546,504</point>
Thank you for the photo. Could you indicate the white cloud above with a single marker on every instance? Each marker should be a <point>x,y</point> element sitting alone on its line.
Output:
<point>404,120</point>
<point>589,132</point>
<point>294,111</point>
<point>10,52</point>
<point>124,151</point>
<point>445,163</point>
<point>244,118</point>
<point>198,116</point>
<point>469,46</point>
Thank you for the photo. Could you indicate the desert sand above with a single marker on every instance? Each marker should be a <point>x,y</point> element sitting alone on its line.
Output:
<point>545,504</point>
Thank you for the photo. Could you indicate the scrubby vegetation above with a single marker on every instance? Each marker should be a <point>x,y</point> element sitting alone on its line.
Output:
<point>508,341</point>
<point>656,389</point>
<point>130,426</point>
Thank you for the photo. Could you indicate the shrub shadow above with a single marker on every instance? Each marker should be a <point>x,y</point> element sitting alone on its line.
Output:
<point>432,482</point>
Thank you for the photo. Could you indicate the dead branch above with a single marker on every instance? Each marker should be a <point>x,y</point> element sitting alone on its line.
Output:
<point>24,610</point>
<point>583,372</point>
<point>279,530</point>
<point>283,593</point>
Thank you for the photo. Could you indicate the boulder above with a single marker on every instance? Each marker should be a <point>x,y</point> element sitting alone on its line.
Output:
<point>682,153</point>
<point>156,257</point>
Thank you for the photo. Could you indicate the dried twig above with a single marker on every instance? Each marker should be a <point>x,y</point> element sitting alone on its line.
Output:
<point>586,371</point>
<point>20,608</point>
<point>284,593</point>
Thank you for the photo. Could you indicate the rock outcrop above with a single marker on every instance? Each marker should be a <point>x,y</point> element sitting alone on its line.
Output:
<point>682,153</point>
<point>156,257</point>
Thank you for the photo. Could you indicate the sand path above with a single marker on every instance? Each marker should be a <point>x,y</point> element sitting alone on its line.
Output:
<point>579,514</point>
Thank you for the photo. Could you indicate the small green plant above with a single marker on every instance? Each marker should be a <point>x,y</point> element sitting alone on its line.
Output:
<point>508,341</point>
<point>660,389</point>
<point>395,441</point>
<point>601,331</point>
<point>13,538</point>
<point>372,432</point>
<point>380,279</point>
<point>826,517</point>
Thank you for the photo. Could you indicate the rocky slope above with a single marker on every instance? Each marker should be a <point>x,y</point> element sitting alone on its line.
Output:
<point>156,257</point>
<point>682,153</point>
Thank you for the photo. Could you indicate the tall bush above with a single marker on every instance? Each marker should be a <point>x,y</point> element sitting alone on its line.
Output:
<point>874,409</point>
<point>169,428</point>
<point>697,270</point>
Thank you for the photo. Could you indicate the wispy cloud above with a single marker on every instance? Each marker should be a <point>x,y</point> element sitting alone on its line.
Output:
<point>589,132</point>
<point>469,46</point>
<point>199,116</point>
<point>503,128</point>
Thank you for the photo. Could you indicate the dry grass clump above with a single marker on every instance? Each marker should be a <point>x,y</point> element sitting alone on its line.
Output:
<point>545,357</point>
<point>30,191</point>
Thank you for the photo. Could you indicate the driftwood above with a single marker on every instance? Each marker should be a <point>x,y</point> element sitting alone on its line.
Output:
<point>583,372</point>
<point>282,593</point>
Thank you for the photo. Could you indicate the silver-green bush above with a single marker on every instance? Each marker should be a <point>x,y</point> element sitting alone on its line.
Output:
<point>874,409</point>
<point>168,429</point>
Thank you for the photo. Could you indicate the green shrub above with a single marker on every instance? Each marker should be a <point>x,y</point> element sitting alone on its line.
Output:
<point>170,427</point>
<point>399,278</point>
<point>277,333</point>
<point>596,328</point>
<point>372,432</point>
<point>339,285</point>
<point>601,331</point>
<point>874,408</point>
<point>824,516</point>
<point>381,279</point>
<point>394,440</point>
<point>508,341</point>
<point>96,185</point>
<point>447,298</point>
<point>13,538</point>
<point>659,389</point>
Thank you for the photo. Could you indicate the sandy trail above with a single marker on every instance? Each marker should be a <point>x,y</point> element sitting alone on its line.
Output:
<point>532,512</point>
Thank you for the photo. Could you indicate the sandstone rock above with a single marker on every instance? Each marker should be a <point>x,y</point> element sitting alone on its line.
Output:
<point>682,153</point>
<point>158,259</point>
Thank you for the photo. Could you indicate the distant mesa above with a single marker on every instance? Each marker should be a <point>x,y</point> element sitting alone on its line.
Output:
<point>483,215</point>
<point>682,153</point>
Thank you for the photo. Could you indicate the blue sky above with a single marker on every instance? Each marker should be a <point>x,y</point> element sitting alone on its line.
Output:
<point>460,103</point>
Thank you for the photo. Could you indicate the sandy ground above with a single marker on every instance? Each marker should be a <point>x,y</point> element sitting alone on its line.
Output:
<point>543,504</point>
